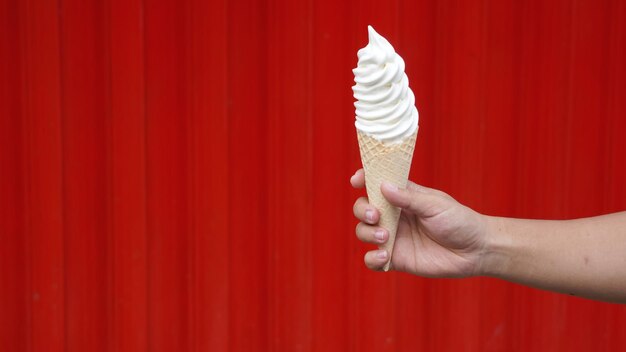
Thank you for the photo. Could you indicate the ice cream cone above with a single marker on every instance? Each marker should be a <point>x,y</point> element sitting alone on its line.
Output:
<point>390,162</point>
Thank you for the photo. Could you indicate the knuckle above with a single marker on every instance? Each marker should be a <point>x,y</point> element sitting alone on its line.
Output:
<point>358,206</point>
<point>361,230</point>
<point>367,261</point>
<point>357,229</point>
<point>355,208</point>
<point>370,262</point>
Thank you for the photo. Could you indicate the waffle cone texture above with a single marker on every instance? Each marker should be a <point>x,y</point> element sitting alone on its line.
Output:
<point>390,163</point>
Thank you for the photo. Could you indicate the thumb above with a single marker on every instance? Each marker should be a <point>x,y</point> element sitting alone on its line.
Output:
<point>416,199</point>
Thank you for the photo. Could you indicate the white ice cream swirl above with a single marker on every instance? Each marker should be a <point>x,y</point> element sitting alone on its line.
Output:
<point>385,106</point>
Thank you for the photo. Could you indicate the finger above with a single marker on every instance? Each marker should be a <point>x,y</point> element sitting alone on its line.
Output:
<point>358,179</point>
<point>365,212</point>
<point>371,234</point>
<point>417,199</point>
<point>423,189</point>
<point>376,260</point>
<point>412,186</point>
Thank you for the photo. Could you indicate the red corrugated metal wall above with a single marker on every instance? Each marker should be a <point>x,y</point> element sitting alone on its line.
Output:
<point>174,174</point>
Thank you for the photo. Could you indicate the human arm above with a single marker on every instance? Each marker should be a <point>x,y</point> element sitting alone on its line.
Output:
<point>582,257</point>
<point>439,237</point>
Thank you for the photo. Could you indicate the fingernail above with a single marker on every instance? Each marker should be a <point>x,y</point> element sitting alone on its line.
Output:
<point>369,215</point>
<point>379,235</point>
<point>382,254</point>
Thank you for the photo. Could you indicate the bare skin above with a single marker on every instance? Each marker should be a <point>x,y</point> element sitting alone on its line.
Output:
<point>439,237</point>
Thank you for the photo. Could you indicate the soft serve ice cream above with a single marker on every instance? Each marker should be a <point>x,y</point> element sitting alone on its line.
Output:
<point>386,123</point>
<point>385,106</point>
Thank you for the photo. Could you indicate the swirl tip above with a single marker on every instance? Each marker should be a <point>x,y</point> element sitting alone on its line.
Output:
<point>371,32</point>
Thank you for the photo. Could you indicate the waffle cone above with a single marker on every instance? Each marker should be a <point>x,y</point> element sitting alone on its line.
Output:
<point>390,163</point>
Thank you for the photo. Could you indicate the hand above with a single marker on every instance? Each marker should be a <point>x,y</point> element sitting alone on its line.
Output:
<point>436,237</point>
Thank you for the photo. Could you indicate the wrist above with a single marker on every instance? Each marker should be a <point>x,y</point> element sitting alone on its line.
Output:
<point>496,256</point>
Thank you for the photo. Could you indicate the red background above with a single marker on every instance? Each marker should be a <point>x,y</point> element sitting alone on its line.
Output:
<point>174,174</point>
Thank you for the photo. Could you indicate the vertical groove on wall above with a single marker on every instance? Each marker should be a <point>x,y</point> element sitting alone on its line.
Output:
<point>146,220</point>
<point>110,296</point>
